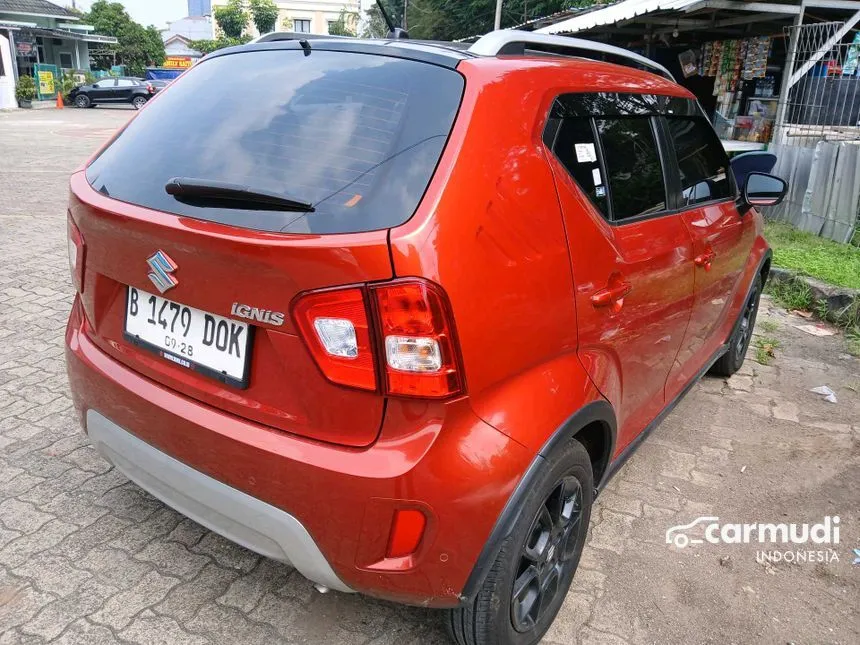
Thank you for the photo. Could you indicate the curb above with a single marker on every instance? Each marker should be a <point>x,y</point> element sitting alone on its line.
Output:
<point>837,302</point>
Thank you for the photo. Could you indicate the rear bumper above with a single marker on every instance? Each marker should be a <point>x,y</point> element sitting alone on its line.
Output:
<point>246,520</point>
<point>326,509</point>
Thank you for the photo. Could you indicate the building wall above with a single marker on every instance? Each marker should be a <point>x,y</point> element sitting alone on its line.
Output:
<point>7,79</point>
<point>318,12</point>
<point>192,28</point>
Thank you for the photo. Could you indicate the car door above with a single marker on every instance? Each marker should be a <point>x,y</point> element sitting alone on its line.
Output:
<point>722,238</point>
<point>123,90</point>
<point>631,256</point>
<point>102,91</point>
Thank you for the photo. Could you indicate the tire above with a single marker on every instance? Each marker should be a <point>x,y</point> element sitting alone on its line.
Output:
<point>731,361</point>
<point>138,102</point>
<point>495,617</point>
<point>82,101</point>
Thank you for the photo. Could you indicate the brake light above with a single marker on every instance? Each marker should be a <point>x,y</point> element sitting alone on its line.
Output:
<point>77,251</point>
<point>335,327</point>
<point>150,88</point>
<point>415,353</point>
<point>418,339</point>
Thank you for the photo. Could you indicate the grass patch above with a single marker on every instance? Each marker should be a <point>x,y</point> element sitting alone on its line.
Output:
<point>852,341</point>
<point>768,326</point>
<point>792,294</point>
<point>765,349</point>
<point>826,260</point>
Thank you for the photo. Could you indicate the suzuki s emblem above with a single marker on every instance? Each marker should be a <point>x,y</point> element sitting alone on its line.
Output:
<point>162,268</point>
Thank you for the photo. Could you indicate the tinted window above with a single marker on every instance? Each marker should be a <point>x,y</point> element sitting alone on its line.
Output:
<point>124,82</point>
<point>108,83</point>
<point>702,162</point>
<point>633,166</point>
<point>356,135</point>
<point>577,150</point>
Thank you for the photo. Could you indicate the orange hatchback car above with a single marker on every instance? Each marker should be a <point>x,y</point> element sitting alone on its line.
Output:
<point>395,312</point>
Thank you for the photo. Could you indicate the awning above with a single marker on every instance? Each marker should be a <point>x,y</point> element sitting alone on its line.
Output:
<point>70,35</point>
<point>602,15</point>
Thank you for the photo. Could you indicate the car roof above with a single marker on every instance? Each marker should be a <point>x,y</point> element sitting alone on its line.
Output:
<point>507,43</point>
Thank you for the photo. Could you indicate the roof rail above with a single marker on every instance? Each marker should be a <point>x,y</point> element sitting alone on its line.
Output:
<point>515,41</point>
<point>294,35</point>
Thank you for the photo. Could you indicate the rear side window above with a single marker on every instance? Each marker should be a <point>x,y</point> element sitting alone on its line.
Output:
<point>358,136</point>
<point>576,148</point>
<point>702,161</point>
<point>633,165</point>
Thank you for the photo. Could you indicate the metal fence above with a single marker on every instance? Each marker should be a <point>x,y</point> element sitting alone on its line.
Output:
<point>817,132</point>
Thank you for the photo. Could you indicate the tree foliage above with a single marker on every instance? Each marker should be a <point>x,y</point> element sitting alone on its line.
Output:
<point>232,18</point>
<point>264,13</point>
<point>208,46</point>
<point>344,25</point>
<point>446,20</point>
<point>374,26</point>
<point>138,46</point>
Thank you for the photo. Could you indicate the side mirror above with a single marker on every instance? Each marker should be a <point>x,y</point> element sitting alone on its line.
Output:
<point>761,189</point>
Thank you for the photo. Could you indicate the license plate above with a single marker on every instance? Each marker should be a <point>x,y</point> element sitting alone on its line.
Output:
<point>213,345</point>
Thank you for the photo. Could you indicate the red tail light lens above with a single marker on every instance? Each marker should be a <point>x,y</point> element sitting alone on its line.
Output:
<point>412,321</point>
<point>406,533</point>
<point>420,355</point>
<point>335,327</point>
<point>77,251</point>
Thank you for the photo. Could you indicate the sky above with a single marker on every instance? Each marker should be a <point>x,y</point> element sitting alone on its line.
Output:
<point>146,12</point>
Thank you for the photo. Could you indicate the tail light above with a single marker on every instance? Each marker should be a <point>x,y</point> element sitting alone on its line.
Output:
<point>150,88</point>
<point>395,337</point>
<point>77,251</point>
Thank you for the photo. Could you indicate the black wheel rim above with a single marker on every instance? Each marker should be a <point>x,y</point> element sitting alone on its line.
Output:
<point>81,101</point>
<point>746,328</point>
<point>547,555</point>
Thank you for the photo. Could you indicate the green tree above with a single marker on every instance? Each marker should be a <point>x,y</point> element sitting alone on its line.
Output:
<point>374,26</point>
<point>137,46</point>
<point>446,20</point>
<point>232,18</point>
<point>264,13</point>
<point>208,46</point>
<point>344,25</point>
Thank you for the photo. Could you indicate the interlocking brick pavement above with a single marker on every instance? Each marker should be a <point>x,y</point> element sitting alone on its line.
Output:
<point>87,557</point>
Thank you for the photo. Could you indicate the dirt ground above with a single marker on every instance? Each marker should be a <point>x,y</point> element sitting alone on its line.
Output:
<point>85,556</point>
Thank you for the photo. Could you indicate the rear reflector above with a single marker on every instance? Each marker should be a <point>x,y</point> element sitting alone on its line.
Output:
<point>335,328</point>
<point>77,251</point>
<point>406,533</point>
<point>412,324</point>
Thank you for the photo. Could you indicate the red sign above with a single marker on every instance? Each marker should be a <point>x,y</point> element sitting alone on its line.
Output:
<point>177,62</point>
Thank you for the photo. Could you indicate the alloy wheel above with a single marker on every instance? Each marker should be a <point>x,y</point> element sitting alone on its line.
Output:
<point>746,328</point>
<point>547,557</point>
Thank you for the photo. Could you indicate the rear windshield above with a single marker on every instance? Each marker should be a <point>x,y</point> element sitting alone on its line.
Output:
<point>358,136</point>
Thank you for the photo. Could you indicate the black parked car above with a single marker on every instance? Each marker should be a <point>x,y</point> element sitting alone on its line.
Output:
<point>113,90</point>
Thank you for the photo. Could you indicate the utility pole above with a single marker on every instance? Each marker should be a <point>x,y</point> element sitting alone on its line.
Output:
<point>403,22</point>
<point>498,22</point>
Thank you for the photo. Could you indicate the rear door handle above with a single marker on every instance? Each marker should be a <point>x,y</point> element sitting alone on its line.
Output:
<point>704,260</point>
<point>612,296</point>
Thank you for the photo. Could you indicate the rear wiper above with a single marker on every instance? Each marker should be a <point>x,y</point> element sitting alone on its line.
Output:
<point>209,192</point>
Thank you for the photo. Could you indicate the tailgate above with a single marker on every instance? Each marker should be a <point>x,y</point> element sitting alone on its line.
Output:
<point>216,267</point>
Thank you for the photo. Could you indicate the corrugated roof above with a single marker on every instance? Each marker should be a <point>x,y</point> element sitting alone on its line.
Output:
<point>614,13</point>
<point>36,8</point>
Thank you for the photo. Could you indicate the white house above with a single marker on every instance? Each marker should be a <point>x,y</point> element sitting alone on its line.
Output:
<point>307,16</point>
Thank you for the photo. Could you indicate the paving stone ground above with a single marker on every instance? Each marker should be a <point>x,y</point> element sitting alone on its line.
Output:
<point>87,557</point>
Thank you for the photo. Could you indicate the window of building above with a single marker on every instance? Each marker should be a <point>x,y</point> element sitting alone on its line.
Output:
<point>331,24</point>
<point>66,60</point>
<point>702,161</point>
<point>301,25</point>
<point>632,162</point>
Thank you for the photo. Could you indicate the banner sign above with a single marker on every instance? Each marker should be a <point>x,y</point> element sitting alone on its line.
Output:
<point>177,62</point>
